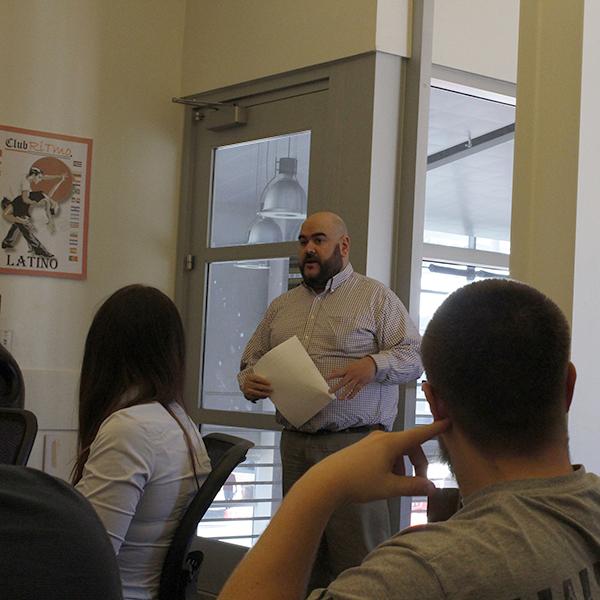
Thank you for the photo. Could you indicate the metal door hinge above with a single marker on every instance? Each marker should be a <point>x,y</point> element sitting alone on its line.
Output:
<point>189,262</point>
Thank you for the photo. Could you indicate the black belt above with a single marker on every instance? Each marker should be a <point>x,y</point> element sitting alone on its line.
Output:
<point>361,429</point>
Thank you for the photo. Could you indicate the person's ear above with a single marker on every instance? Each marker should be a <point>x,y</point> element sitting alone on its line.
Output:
<point>570,386</point>
<point>436,404</point>
<point>345,245</point>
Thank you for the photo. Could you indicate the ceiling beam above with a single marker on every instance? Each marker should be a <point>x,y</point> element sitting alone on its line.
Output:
<point>477,144</point>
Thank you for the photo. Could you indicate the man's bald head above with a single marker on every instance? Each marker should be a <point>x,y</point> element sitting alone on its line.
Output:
<point>329,219</point>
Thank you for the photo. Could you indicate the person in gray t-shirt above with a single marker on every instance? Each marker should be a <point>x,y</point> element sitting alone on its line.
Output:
<point>499,384</point>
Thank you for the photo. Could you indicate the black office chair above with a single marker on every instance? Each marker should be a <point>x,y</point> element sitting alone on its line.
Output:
<point>12,388</point>
<point>18,428</point>
<point>181,566</point>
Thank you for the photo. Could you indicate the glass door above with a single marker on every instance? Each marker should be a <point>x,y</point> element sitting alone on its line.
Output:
<point>251,188</point>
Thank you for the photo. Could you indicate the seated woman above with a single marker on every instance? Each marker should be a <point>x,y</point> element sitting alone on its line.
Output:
<point>141,458</point>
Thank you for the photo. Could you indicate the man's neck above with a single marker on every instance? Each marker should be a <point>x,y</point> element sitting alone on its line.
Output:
<point>475,471</point>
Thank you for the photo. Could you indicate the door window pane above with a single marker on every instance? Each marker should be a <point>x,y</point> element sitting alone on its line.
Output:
<point>239,293</point>
<point>259,190</point>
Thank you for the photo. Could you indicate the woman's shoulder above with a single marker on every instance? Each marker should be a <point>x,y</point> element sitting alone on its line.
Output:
<point>144,419</point>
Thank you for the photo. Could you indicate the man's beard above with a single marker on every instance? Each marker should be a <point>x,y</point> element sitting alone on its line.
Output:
<point>445,455</point>
<point>328,268</point>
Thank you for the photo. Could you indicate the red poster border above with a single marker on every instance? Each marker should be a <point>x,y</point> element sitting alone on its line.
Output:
<point>88,171</point>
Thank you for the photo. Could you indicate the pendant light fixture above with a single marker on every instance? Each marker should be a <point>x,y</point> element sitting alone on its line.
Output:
<point>284,197</point>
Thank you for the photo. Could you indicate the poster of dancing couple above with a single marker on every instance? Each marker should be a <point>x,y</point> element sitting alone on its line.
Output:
<point>44,203</point>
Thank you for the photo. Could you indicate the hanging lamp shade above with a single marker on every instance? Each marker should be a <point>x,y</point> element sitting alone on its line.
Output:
<point>264,231</point>
<point>284,197</point>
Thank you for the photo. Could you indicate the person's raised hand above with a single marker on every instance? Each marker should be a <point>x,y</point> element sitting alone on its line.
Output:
<point>256,387</point>
<point>352,378</point>
<point>373,468</point>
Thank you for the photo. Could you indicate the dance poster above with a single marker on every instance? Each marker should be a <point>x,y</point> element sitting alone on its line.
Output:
<point>44,199</point>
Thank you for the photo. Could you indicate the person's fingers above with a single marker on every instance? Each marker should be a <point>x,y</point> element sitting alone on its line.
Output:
<point>419,461</point>
<point>261,385</point>
<point>412,486</point>
<point>354,390</point>
<point>338,386</point>
<point>335,374</point>
<point>399,467</point>
<point>341,384</point>
<point>339,392</point>
<point>259,390</point>
<point>418,435</point>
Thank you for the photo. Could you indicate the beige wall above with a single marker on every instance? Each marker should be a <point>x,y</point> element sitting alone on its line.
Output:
<point>546,144</point>
<point>232,41</point>
<point>393,33</point>
<point>477,36</point>
<point>104,70</point>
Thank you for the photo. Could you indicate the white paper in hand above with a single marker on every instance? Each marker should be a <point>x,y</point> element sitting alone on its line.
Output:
<point>299,390</point>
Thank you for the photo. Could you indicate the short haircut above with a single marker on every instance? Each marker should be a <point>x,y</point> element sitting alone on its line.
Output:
<point>496,352</point>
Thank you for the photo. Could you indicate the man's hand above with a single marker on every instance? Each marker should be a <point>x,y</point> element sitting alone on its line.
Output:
<point>373,468</point>
<point>353,378</point>
<point>256,387</point>
<point>279,564</point>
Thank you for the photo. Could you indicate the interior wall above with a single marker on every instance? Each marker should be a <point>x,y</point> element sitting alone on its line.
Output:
<point>229,41</point>
<point>477,37</point>
<point>91,69</point>
<point>546,146</point>
<point>394,23</point>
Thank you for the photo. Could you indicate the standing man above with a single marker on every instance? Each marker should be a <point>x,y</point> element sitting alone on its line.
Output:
<point>361,339</point>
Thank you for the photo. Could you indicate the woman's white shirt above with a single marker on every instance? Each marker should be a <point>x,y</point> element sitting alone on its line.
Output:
<point>140,480</point>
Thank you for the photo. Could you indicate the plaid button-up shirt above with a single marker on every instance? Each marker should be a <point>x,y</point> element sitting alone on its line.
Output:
<point>353,317</point>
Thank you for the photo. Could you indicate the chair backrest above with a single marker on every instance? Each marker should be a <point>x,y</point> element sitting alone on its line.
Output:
<point>12,388</point>
<point>225,452</point>
<point>18,428</point>
<point>52,543</point>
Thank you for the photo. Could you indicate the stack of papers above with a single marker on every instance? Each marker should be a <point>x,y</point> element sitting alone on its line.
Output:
<point>299,390</point>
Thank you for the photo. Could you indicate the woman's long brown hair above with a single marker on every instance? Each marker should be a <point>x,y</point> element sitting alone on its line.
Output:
<point>135,346</point>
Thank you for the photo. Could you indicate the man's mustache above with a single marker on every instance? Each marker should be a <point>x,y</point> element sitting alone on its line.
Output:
<point>311,259</point>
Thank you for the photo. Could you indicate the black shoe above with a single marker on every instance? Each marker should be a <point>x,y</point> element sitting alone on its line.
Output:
<point>7,246</point>
<point>43,252</point>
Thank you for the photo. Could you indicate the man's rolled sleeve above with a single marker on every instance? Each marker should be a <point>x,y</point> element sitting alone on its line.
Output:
<point>399,360</point>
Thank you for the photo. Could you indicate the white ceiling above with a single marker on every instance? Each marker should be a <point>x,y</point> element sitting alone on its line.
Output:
<point>472,195</point>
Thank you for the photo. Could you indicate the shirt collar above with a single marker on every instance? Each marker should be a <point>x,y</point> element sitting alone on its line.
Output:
<point>339,278</point>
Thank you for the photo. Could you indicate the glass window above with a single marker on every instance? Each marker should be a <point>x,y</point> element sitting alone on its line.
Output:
<point>259,190</point>
<point>239,293</point>
<point>244,506</point>
<point>438,281</point>
<point>469,173</point>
